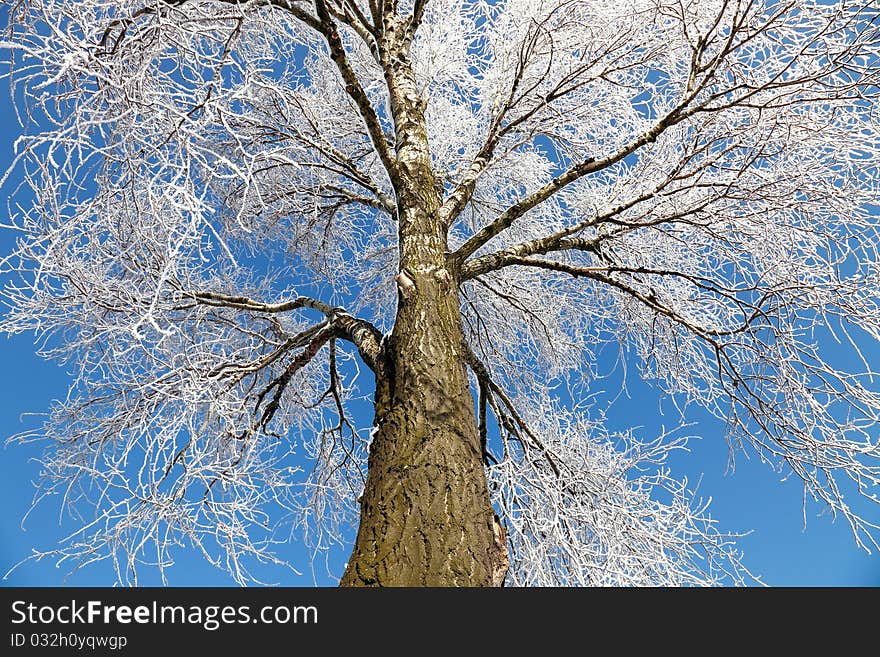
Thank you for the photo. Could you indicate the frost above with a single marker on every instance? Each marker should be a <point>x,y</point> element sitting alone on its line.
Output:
<point>694,184</point>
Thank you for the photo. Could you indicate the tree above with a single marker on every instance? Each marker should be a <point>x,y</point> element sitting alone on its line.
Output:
<point>237,220</point>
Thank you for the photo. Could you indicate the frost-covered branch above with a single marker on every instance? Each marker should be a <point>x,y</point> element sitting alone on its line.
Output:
<point>354,89</point>
<point>602,523</point>
<point>360,332</point>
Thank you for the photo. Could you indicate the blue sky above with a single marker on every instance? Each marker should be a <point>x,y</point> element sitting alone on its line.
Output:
<point>750,499</point>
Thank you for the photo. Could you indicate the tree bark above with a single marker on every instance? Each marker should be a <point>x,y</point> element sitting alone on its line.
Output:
<point>426,517</point>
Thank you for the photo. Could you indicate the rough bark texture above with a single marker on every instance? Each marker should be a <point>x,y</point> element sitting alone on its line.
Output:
<point>426,518</point>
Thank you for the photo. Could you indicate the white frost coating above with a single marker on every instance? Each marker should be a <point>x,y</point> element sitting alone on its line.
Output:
<point>723,230</point>
<point>615,517</point>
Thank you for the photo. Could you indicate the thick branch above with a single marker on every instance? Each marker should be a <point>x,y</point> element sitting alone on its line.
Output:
<point>603,275</point>
<point>354,89</point>
<point>350,14</point>
<point>246,303</point>
<point>498,129</point>
<point>515,255</point>
<point>418,13</point>
<point>361,333</point>
<point>561,240</point>
<point>588,166</point>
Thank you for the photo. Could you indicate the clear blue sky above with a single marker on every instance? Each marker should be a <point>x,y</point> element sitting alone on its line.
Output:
<point>752,498</point>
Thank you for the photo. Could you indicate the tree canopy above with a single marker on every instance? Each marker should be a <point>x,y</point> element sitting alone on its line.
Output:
<point>212,200</point>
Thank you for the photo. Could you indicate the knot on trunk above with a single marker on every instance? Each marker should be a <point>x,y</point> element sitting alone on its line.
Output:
<point>405,284</point>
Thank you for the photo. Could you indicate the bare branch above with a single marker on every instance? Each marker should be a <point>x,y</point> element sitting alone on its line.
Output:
<point>354,89</point>
<point>518,425</point>
<point>587,166</point>
<point>359,332</point>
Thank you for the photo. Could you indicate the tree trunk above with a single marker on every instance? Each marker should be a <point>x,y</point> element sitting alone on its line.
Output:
<point>426,518</point>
